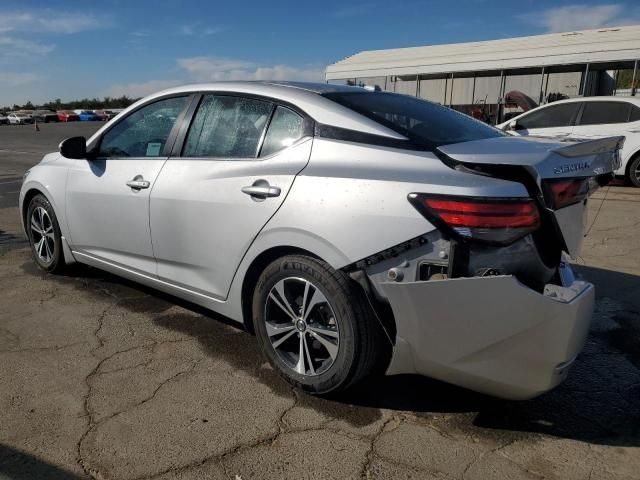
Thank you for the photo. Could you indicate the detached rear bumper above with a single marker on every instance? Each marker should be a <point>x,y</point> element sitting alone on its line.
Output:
<point>490,334</point>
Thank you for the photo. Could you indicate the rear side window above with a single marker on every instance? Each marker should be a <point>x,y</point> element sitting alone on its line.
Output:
<point>553,116</point>
<point>635,114</point>
<point>226,126</point>
<point>285,128</point>
<point>144,133</point>
<point>424,123</point>
<point>596,113</point>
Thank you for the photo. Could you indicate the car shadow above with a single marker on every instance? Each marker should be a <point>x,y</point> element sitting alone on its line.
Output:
<point>598,403</point>
<point>17,465</point>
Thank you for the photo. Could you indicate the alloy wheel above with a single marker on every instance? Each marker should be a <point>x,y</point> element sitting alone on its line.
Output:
<point>301,326</point>
<point>43,235</point>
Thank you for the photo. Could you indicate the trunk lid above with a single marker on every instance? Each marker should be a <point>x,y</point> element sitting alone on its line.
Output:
<point>538,163</point>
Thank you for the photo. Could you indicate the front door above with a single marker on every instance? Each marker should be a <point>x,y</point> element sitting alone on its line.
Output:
<point>239,159</point>
<point>107,201</point>
<point>552,121</point>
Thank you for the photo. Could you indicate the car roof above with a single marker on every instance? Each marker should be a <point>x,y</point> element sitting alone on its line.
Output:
<point>634,100</point>
<point>305,95</point>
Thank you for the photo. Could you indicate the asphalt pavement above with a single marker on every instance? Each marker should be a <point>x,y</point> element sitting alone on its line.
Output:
<point>102,378</point>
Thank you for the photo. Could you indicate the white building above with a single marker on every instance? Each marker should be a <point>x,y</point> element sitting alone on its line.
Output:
<point>478,77</point>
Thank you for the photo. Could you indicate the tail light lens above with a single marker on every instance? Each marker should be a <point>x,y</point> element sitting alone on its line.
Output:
<point>563,192</point>
<point>495,220</point>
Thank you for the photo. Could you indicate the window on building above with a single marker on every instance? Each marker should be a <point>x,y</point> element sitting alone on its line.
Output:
<point>528,84</point>
<point>487,90</point>
<point>406,84</point>
<point>562,85</point>
<point>624,82</point>
<point>433,89</point>
<point>462,91</point>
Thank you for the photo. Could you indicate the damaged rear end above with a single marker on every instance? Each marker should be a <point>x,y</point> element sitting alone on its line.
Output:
<point>488,300</point>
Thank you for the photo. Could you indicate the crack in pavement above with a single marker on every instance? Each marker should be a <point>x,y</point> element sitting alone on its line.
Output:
<point>365,471</point>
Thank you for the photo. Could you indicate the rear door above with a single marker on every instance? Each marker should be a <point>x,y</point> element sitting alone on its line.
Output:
<point>108,196</point>
<point>236,164</point>
<point>602,119</point>
<point>552,121</point>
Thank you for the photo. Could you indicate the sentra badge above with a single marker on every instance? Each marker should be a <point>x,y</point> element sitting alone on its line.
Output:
<point>571,167</point>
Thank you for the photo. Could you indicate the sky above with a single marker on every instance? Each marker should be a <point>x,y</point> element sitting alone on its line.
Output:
<point>72,49</point>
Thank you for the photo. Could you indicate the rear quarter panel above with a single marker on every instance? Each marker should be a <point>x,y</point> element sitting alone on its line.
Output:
<point>350,202</point>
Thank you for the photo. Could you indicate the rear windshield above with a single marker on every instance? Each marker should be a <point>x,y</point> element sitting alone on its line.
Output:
<point>424,123</point>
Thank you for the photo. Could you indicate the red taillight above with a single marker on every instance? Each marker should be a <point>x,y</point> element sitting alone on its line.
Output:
<point>563,192</point>
<point>488,219</point>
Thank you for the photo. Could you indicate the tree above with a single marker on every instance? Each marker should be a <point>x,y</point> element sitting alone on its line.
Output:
<point>85,104</point>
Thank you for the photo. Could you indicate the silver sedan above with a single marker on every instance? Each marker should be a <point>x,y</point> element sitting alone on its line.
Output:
<point>355,232</point>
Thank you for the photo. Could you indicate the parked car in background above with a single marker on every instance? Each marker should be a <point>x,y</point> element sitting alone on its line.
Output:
<point>102,114</point>
<point>587,118</point>
<point>45,116</point>
<point>410,239</point>
<point>88,116</point>
<point>67,116</point>
<point>19,118</point>
<point>3,118</point>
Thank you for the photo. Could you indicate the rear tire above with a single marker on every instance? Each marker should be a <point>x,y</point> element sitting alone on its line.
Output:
<point>44,235</point>
<point>633,174</point>
<point>342,341</point>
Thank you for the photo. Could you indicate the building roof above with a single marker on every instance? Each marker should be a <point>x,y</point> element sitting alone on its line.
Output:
<point>602,45</point>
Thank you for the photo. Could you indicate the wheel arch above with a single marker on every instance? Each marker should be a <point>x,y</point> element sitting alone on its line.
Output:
<point>632,158</point>
<point>381,310</point>
<point>253,272</point>
<point>28,196</point>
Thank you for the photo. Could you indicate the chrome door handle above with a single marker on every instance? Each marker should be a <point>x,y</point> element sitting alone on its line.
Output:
<point>261,190</point>
<point>138,183</point>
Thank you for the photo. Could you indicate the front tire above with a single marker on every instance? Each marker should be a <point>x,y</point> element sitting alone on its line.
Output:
<point>44,235</point>
<point>314,325</point>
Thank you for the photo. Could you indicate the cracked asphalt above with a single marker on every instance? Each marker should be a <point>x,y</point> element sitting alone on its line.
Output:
<point>102,378</point>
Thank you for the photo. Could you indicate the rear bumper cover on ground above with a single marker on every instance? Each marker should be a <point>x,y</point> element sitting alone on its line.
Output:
<point>490,334</point>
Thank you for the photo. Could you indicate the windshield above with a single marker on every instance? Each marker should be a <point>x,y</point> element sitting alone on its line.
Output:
<point>423,122</point>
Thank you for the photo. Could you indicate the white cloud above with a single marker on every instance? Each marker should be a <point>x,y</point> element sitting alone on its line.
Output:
<point>196,29</point>
<point>135,90</point>
<point>17,47</point>
<point>579,17</point>
<point>49,21</point>
<point>206,69</point>
<point>13,79</point>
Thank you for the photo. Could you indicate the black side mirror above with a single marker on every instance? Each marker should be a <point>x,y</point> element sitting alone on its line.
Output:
<point>74,147</point>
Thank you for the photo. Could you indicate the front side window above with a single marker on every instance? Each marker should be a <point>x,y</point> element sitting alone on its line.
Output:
<point>597,113</point>
<point>424,123</point>
<point>227,126</point>
<point>548,117</point>
<point>144,133</point>
<point>285,128</point>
